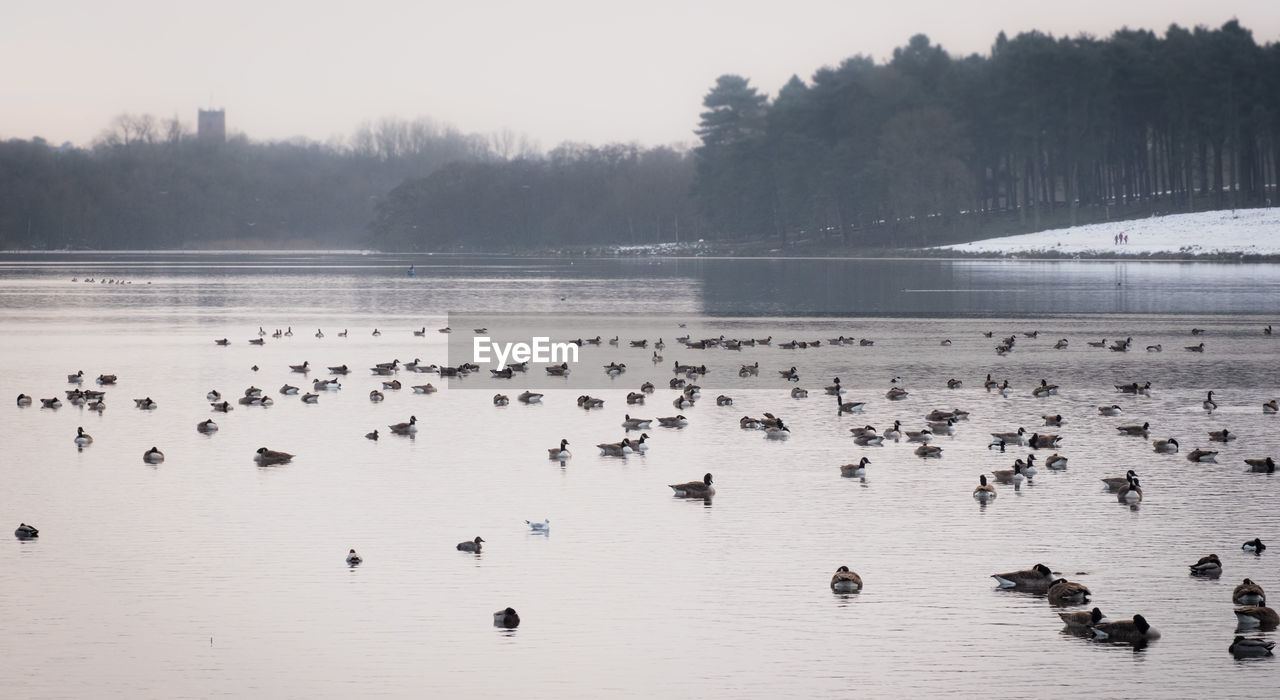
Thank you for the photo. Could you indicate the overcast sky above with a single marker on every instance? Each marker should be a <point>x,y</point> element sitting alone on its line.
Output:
<point>594,71</point>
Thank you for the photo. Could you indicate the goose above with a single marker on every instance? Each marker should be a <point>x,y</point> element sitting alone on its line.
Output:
<point>990,383</point>
<point>54,402</point>
<point>343,334</point>
<point>1112,410</point>
<point>673,422</point>
<point>223,407</point>
<point>640,445</point>
<point>1197,331</point>
<point>24,400</point>
<point>1267,465</point>
<point>1199,455</point>
<point>893,433</point>
<point>25,532</point>
<point>1154,348</point>
<point>427,388</point>
<point>1254,545</point>
<point>1257,616</point>
<point>1122,345</point>
<point>1010,476</point>
<point>770,421</point>
<point>310,398</point>
<point>1135,430</point>
<point>615,449</point>
<point>257,341</point>
<point>858,470</point>
<point>1195,348</point>
<point>470,545</point>
<point>1037,579</point>
<point>834,388</point>
<point>846,581</point>
<point>1115,483</point>
<point>1267,330</point>
<point>749,370</point>
<point>1056,461</point>
<point>1082,620</point>
<point>647,388</point>
<point>326,385</point>
<point>721,400</point>
<point>1063,592</point>
<point>1248,593</point>
<point>153,456</point>
<point>1099,344</point>
<point>613,369</point>
<point>1129,631</point>
<point>506,618</point>
<point>504,373</point>
<point>544,526</point>
<point>77,378</point>
<point>222,341</point>
<point>420,332</point>
<point>446,329</point>
<point>790,374</point>
<point>1018,438</point>
<point>207,426</point>
<point>946,427</point>
<point>1221,435</point>
<point>954,383</point>
<point>107,379</point>
<point>1166,446</point>
<point>676,383</point>
<point>589,402</point>
<point>1054,421</point>
<point>393,385</point>
<point>613,340</point>
<point>923,436</point>
<point>868,440</point>
<point>302,368</point>
<point>82,438</point>
<point>253,391</point>
<point>319,333</point>
<point>145,404</point>
<point>529,397</point>
<point>896,393</point>
<point>268,458</point>
<point>984,492</point>
<point>408,428</point>
<point>843,407</point>
<point>866,342</point>
<point>1209,404</point>
<point>372,436</point>
<point>376,333</point>
<point>946,342</point>
<point>639,343</point>
<point>1207,566</point>
<point>682,402</point>
<point>695,489</point>
<point>780,432</point>
<point>353,559</point>
<point>927,451</point>
<point>1045,389</point>
<point>376,396</point>
<point>798,393</point>
<point>1005,389</point>
<point>1270,407</point>
<point>1029,466</point>
<point>289,332</point>
<point>501,400</point>
<point>1134,388</point>
<point>340,369</point>
<point>1037,441</point>
<point>1243,648</point>
<point>288,389</point>
<point>559,452</point>
<point>1061,344</point>
<point>1130,492</point>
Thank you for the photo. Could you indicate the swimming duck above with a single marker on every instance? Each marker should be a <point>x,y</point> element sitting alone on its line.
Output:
<point>408,428</point>
<point>1207,566</point>
<point>1254,545</point>
<point>372,436</point>
<point>543,526</point>
<point>695,489</point>
<point>1136,430</point>
<point>153,455</point>
<point>1131,492</point>
<point>353,559</point>
<point>1112,410</point>
<point>1129,631</point>
<point>506,618</point>
<point>470,545</point>
<point>1082,620</point>
<point>858,470</point>
<point>1248,593</point>
<point>846,581</point>
<point>25,532</point>
<point>82,438</point>
<point>269,458</point>
<point>1199,455</point>
<point>927,451</point>
<point>1115,483</point>
<point>1243,648</point>
<point>1063,592</point>
<point>1037,579</point>
<point>207,426</point>
<point>1266,466</point>
<point>1221,435</point>
<point>984,492</point>
<point>1257,616</point>
<point>1166,446</point>
<point>529,397</point>
<point>1055,461</point>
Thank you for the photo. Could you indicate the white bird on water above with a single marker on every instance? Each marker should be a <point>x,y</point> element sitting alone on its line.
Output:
<point>544,526</point>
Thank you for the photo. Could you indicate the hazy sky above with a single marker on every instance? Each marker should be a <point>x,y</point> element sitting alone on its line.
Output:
<point>584,70</point>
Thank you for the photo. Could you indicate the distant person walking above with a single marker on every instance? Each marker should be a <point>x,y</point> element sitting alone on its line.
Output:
<point>1126,239</point>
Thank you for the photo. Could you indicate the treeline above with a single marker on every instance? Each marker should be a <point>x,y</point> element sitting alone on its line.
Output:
<point>927,148</point>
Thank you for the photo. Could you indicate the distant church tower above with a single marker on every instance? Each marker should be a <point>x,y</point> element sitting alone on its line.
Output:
<point>211,125</point>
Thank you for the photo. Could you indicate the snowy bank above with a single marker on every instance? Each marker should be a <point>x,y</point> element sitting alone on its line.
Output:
<point>1242,231</point>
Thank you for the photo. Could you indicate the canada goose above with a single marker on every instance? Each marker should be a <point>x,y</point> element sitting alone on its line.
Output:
<point>780,432</point>
<point>1010,476</point>
<point>846,581</point>
<point>1018,438</point>
<point>1207,566</point>
<point>82,438</point>
<point>393,385</point>
<point>1136,430</point>
<point>446,329</point>
<point>1099,344</point>
<point>612,369</point>
<point>207,426</point>
<point>798,393</point>
<point>984,492</point>
<point>153,456</point>
<point>106,379</point>
<point>326,385</point>
<point>1130,631</point>
<point>303,368</point>
<point>615,449</point>
<point>1061,344</point>
<point>54,402</point>
<point>376,332</point>
<point>506,618</point>
<point>673,422</point>
<point>408,428</point>
<point>1037,441</point>
<point>340,369</point>
<point>722,400</point>
<point>896,393</point>
<point>946,427</point>
<point>1248,593</point>
<point>1005,389</point>
<point>1267,330</point>
<point>500,400</point>
<point>25,532</point>
<point>471,545</point>
<point>1166,446</point>
<point>1121,345</point>
<point>1055,461</point>
<point>310,398</point>
<point>1112,410</point>
<point>923,436</point>
<point>288,389</point>
<point>1154,348</point>
<point>695,489</point>
<point>1199,455</point>
<point>559,452</point>
<point>589,402</point>
<point>223,407</point>
<point>24,400</point>
<point>1054,421</point>
<point>770,421</point>
<point>1115,483</point>
<point>353,559</point>
<point>1037,579</point>
<point>343,334</point>
<point>746,423</point>
<point>145,404</point>
<point>1045,389</point>
<point>222,341</point>
<point>1209,404</point>
<point>682,402</point>
<point>990,383</point>
<point>257,341</point>
<point>834,388</point>
<point>858,470</point>
<point>640,445</point>
<point>543,526</point>
<point>635,423</point>
<point>790,374</point>
<point>1265,466</point>
<point>1131,492</point>
<point>927,451</point>
<point>1270,406</point>
<point>269,458</point>
<point>893,433</point>
<point>1223,435</point>
<point>1063,592</point>
<point>1134,388</point>
<point>372,436</point>
<point>866,342</point>
<point>1082,620</point>
<point>529,397</point>
<point>868,440</point>
<point>1029,466</point>
<point>429,388</point>
<point>1195,348</point>
<point>1257,616</point>
<point>376,396</point>
<point>843,407</point>
<point>504,373</point>
<point>1243,648</point>
<point>1254,545</point>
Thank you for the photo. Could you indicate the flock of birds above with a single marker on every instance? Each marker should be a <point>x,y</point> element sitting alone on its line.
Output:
<point>1252,613</point>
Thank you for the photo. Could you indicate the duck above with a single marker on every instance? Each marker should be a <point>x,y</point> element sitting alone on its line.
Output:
<point>984,492</point>
<point>82,438</point>
<point>1115,483</point>
<point>207,426</point>
<point>1254,545</point>
<point>846,581</point>
<point>1199,455</point>
<point>1037,579</point>
<point>407,428</point>
<point>1135,430</point>
<point>1010,476</point>
<point>353,559</point>
<point>1209,404</point>
<point>529,397</point>
<point>1129,631</point>
<point>1257,616</point>
<point>1055,461</point>
<point>695,489</point>
<point>269,458</point>
<point>1207,566</point>
<point>858,470</point>
<point>1063,592</point>
<point>615,449</point>
<point>927,451</point>
<point>1166,446</point>
<point>1243,648</point>
<point>1270,406</point>
<point>153,455</point>
<point>678,421</point>
<point>25,532</point>
<point>1266,466</point>
<point>1248,593</point>
<point>372,435</point>
<point>506,619</point>
<point>1082,620</point>
<point>471,545</point>
<point>1223,435</point>
<point>1130,492</point>
<point>1112,410</point>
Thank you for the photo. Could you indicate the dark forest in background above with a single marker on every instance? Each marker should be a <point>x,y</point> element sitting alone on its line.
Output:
<point>923,149</point>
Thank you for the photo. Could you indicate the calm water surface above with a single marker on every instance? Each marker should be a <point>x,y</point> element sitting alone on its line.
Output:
<point>209,576</point>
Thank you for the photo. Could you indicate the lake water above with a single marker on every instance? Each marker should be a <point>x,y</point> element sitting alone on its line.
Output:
<point>210,576</point>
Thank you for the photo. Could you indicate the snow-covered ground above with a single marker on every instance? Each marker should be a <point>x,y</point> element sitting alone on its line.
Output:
<point>1244,231</point>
